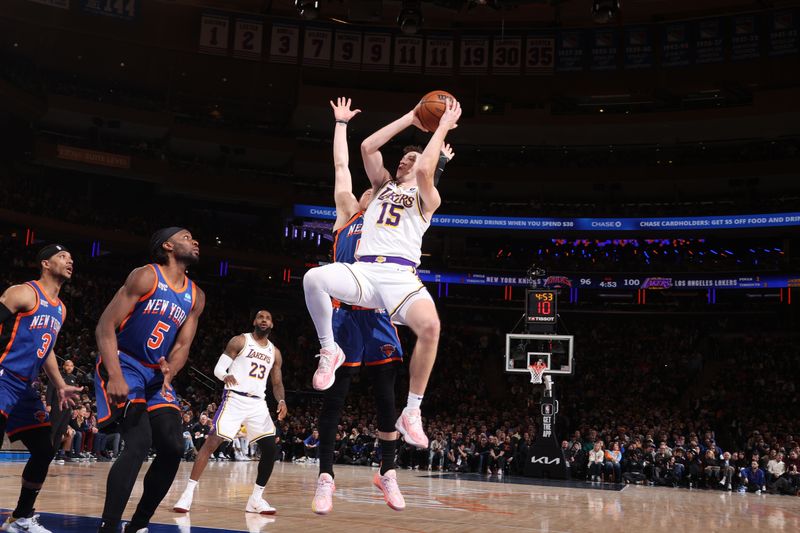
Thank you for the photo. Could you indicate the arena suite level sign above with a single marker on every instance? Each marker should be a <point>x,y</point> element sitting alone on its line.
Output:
<point>746,221</point>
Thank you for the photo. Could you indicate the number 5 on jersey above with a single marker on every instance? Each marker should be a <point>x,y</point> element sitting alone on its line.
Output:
<point>157,336</point>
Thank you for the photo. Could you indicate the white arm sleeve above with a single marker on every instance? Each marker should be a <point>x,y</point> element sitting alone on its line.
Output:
<point>224,363</point>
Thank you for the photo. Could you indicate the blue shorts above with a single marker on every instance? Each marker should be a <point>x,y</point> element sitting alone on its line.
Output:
<point>21,405</point>
<point>366,336</point>
<point>144,384</point>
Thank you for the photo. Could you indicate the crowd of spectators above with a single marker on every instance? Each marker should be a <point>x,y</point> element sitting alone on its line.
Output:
<point>657,391</point>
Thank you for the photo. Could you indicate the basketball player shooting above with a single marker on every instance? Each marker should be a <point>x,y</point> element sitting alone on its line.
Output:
<point>384,275</point>
<point>143,340</point>
<point>31,316</point>
<point>243,367</point>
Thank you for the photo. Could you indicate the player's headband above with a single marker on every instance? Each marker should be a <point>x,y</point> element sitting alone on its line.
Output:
<point>49,251</point>
<point>160,237</point>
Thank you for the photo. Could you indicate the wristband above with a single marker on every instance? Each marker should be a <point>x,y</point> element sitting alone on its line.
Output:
<point>281,401</point>
<point>342,121</point>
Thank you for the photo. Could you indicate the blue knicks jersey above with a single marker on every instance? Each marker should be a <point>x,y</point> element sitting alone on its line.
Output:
<point>150,329</point>
<point>27,338</point>
<point>346,239</point>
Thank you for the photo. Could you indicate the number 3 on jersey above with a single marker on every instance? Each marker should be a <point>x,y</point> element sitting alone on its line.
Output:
<point>390,214</point>
<point>47,340</point>
<point>157,336</point>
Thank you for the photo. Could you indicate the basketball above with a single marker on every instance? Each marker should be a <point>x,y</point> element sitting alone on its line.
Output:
<point>431,108</point>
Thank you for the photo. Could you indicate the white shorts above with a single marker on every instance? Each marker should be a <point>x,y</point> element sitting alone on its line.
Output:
<point>237,410</point>
<point>387,286</point>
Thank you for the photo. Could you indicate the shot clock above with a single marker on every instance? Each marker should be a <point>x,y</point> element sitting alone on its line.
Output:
<point>541,309</point>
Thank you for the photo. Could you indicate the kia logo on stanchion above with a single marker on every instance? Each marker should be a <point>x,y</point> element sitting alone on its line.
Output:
<point>545,460</point>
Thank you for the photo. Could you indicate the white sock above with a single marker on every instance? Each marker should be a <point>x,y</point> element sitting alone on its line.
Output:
<point>191,485</point>
<point>414,401</point>
<point>257,492</point>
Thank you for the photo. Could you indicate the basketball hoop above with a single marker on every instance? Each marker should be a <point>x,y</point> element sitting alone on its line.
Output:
<point>537,371</point>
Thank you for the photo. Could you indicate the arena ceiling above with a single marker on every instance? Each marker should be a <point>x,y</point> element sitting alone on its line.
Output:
<point>488,13</point>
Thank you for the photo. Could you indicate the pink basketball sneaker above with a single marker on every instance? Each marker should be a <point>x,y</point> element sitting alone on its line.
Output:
<point>323,498</point>
<point>387,483</point>
<point>330,359</point>
<point>410,426</point>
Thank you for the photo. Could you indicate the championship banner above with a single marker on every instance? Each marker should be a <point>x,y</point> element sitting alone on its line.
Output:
<point>408,54</point>
<point>93,157</point>
<point>376,54</point>
<point>638,47</point>
<point>675,45</point>
<point>603,51</point>
<point>61,4</point>
<point>783,33</point>
<point>507,55</point>
<point>745,40</point>
<point>540,51</point>
<point>474,57</point>
<point>347,50</point>
<point>214,34</point>
<point>439,55</point>
<point>569,51</point>
<point>284,44</point>
<point>120,9</point>
<point>709,44</point>
<point>248,38</point>
<point>317,45</point>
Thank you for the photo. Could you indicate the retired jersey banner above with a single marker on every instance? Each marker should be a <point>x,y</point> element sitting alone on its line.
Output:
<point>248,38</point>
<point>603,51</point>
<point>745,40</point>
<point>120,9</point>
<point>540,52</point>
<point>408,54</point>
<point>638,47</point>
<point>474,55</point>
<point>284,44</point>
<point>317,46</point>
<point>347,50</point>
<point>676,45</point>
<point>507,55</point>
<point>214,34</point>
<point>376,54</point>
<point>569,51</point>
<point>93,157</point>
<point>782,33</point>
<point>439,55</point>
<point>709,41</point>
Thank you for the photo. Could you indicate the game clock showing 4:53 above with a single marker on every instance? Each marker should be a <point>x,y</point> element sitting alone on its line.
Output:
<point>540,306</point>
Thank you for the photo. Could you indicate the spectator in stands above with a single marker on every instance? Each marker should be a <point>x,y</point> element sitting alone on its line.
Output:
<point>711,467</point>
<point>775,468</point>
<point>596,461</point>
<point>311,445</point>
<point>753,479</point>
<point>201,430</point>
<point>727,469</point>
<point>437,452</point>
<point>634,463</point>
<point>613,462</point>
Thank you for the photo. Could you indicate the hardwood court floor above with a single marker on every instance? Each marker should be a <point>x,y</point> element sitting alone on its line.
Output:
<point>433,504</point>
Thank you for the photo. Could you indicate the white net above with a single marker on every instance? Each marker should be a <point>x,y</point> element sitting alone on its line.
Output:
<point>537,371</point>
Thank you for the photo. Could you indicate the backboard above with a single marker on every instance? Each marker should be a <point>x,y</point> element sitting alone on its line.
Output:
<point>523,349</point>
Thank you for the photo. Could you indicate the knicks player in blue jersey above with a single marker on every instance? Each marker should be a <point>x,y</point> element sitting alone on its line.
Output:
<point>31,315</point>
<point>143,341</point>
<point>366,336</point>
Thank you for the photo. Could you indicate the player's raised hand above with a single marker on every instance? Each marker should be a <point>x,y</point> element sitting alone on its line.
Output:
<point>341,109</point>
<point>415,119</point>
<point>230,380</point>
<point>451,115</point>
<point>448,152</point>
<point>68,396</point>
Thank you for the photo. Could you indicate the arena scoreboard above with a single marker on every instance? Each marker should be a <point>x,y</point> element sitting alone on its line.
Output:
<point>541,309</point>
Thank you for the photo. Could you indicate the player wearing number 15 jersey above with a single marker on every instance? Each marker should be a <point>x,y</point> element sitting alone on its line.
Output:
<point>143,340</point>
<point>248,360</point>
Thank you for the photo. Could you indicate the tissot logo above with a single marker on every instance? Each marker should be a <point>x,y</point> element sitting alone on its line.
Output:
<point>545,460</point>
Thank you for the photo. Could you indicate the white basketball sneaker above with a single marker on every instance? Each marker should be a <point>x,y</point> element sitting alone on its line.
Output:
<point>24,525</point>
<point>260,506</point>
<point>184,503</point>
<point>329,360</point>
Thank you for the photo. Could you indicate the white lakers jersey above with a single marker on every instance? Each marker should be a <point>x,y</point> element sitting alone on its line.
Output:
<point>252,366</point>
<point>393,224</point>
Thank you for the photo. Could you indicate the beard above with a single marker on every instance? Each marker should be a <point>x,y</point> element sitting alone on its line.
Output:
<point>263,331</point>
<point>187,258</point>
